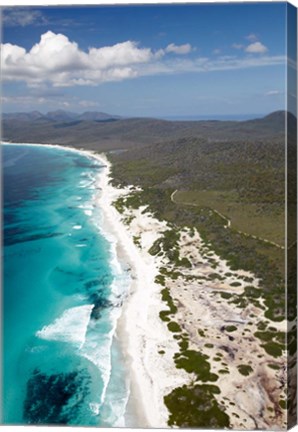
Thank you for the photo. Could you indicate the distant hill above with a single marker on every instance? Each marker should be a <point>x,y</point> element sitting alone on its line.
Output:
<point>275,121</point>
<point>59,116</point>
<point>104,132</point>
<point>97,116</point>
<point>23,116</point>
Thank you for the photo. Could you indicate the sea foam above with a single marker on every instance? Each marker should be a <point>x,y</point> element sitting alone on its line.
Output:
<point>70,327</point>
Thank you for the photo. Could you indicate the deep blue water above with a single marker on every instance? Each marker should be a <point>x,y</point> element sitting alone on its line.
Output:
<point>62,293</point>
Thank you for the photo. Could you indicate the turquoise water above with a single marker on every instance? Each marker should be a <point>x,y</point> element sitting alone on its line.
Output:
<point>62,293</point>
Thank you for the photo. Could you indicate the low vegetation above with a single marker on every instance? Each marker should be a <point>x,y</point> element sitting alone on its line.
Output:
<point>263,259</point>
<point>268,219</point>
<point>196,407</point>
<point>266,261</point>
<point>245,369</point>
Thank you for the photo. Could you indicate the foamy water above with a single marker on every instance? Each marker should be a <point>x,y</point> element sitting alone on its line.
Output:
<point>70,327</point>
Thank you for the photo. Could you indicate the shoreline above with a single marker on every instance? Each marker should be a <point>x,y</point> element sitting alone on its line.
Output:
<point>139,328</point>
<point>141,410</point>
<point>202,295</point>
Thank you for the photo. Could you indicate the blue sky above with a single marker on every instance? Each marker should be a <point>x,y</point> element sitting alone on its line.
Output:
<point>153,60</point>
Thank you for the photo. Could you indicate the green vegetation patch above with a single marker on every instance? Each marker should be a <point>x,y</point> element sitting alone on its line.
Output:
<point>196,407</point>
<point>184,344</point>
<point>144,171</point>
<point>164,316</point>
<point>174,327</point>
<point>225,295</point>
<point>273,349</point>
<point>235,284</point>
<point>252,292</point>
<point>214,276</point>
<point>275,304</point>
<point>167,298</point>
<point>168,244</point>
<point>137,240</point>
<point>209,345</point>
<point>160,279</point>
<point>230,328</point>
<point>245,369</point>
<point>119,205</point>
<point>266,225</point>
<point>184,262</point>
<point>273,366</point>
<point>195,362</point>
<point>262,325</point>
<point>156,247</point>
<point>275,341</point>
<point>264,336</point>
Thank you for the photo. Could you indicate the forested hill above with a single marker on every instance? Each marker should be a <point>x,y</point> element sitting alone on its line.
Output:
<point>100,131</point>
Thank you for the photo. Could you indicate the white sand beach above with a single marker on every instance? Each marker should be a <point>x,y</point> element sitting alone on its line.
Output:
<point>140,328</point>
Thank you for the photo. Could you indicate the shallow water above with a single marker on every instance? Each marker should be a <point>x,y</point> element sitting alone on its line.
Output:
<point>62,293</point>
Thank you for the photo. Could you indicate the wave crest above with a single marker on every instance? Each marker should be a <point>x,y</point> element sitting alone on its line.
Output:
<point>71,326</point>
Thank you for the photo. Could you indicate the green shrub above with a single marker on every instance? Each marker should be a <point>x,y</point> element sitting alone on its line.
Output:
<point>245,369</point>
<point>195,407</point>
<point>273,349</point>
<point>174,327</point>
<point>230,328</point>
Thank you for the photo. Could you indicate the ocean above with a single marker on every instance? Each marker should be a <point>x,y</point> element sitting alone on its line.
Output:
<point>62,293</point>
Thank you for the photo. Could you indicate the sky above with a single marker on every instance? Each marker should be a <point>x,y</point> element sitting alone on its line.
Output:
<point>145,60</point>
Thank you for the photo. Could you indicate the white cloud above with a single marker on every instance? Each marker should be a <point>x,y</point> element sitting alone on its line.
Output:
<point>256,48</point>
<point>55,61</point>
<point>251,37</point>
<point>58,60</point>
<point>14,17</point>
<point>216,51</point>
<point>204,64</point>
<point>237,46</point>
<point>33,100</point>
<point>178,49</point>
<point>88,103</point>
<point>273,93</point>
<point>22,100</point>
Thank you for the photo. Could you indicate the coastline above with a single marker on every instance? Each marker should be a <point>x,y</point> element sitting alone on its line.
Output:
<point>140,330</point>
<point>135,335</point>
<point>202,302</point>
